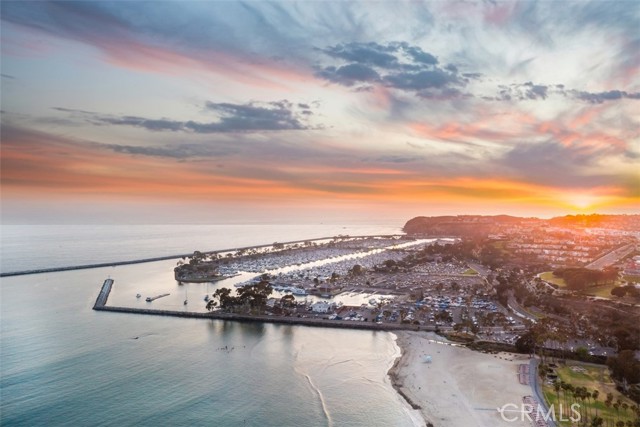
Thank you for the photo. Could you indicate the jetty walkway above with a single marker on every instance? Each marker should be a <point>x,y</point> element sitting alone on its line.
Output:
<point>101,301</point>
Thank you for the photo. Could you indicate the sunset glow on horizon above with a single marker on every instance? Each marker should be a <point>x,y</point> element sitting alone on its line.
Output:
<point>214,111</point>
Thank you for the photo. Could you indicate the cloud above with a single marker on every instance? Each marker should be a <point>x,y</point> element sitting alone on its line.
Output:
<point>179,152</point>
<point>530,91</point>
<point>349,75</point>
<point>7,76</point>
<point>554,164</point>
<point>396,65</point>
<point>522,92</point>
<point>232,118</point>
<point>422,80</point>
<point>372,54</point>
<point>600,97</point>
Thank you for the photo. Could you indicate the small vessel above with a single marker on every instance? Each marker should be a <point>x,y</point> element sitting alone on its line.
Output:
<point>138,295</point>
<point>185,302</point>
<point>149,299</point>
<point>206,298</point>
<point>298,291</point>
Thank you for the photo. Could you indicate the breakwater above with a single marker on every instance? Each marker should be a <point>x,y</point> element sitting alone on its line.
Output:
<point>103,296</point>
<point>168,257</point>
<point>101,301</point>
<point>304,321</point>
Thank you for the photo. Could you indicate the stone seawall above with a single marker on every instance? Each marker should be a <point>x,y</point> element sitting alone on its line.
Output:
<point>304,321</point>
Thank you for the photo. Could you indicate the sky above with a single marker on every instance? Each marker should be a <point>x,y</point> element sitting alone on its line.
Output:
<point>223,111</point>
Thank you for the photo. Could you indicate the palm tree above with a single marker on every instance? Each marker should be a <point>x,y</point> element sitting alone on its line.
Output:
<point>616,406</point>
<point>565,389</point>
<point>595,395</point>
<point>556,387</point>
<point>607,402</point>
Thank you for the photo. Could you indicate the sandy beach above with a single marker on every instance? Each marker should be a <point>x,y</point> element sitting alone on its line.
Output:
<point>460,387</point>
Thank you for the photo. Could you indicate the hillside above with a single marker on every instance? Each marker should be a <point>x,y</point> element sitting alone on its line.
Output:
<point>483,225</point>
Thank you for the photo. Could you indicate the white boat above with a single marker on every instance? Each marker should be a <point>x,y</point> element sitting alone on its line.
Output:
<point>298,291</point>
<point>206,298</point>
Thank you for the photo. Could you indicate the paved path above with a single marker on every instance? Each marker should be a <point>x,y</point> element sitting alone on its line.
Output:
<point>537,391</point>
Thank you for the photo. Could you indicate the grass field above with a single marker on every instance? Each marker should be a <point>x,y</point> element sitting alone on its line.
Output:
<point>470,272</point>
<point>629,278</point>
<point>592,377</point>
<point>603,291</point>
<point>549,277</point>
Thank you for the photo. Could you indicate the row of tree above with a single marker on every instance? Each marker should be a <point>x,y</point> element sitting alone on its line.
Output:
<point>568,394</point>
<point>578,278</point>
<point>248,298</point>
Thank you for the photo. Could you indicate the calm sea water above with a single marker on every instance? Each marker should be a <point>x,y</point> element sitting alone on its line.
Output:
<point>25,247</point>
<point>63,364</point>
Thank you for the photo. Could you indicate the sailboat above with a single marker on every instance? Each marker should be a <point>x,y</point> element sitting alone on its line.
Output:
<point>185,295</point>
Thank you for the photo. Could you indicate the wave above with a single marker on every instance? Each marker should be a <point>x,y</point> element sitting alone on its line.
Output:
<point>323,404</point>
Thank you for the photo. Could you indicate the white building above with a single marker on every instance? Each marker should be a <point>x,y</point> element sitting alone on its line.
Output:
<point>321,307</point>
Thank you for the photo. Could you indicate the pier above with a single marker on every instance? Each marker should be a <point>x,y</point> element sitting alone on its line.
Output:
<point>103,295</point>
<point>150,299</point>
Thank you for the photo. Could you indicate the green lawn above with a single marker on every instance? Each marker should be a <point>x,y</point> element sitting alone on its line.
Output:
<point>549,277</point>
<point>593,378</point>
<point>603,291</point>
<point>629,278</point>
<point>470,272</point>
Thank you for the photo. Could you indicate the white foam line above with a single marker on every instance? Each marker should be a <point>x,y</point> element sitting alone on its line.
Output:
<point>322,402</point>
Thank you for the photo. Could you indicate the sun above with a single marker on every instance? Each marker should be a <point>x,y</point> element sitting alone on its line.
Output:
<point>582,201</point>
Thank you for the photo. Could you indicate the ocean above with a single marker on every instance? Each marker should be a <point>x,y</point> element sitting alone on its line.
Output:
<point>61,363</point>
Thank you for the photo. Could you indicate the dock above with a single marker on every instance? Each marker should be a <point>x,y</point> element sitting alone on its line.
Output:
<point>103,295</point>
<point>150,299</point>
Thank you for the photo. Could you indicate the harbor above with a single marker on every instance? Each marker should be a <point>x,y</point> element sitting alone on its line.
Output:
<point>320,321</point>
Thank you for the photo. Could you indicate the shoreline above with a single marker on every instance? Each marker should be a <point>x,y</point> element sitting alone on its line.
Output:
<point>415,410</point>
<point>460,386</point>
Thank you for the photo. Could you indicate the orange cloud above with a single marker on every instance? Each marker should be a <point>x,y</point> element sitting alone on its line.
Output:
<point>37,165</point>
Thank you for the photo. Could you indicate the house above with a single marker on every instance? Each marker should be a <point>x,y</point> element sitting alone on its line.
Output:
<point>321,307</point>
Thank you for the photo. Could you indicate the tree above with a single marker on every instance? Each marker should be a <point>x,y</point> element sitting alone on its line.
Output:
<point>582,353</point>
<point>625,368</point>
<point>619,291</point>
<point>526,343</point>
<point>288,301</point>
<point>356,270</point>
<point>211,304</point>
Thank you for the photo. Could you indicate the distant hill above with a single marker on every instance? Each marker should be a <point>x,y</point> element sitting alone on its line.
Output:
<point>483,225</point>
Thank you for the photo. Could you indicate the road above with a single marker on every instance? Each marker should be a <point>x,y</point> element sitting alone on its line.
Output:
<point>612,257</point>
<point>535,386</point>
